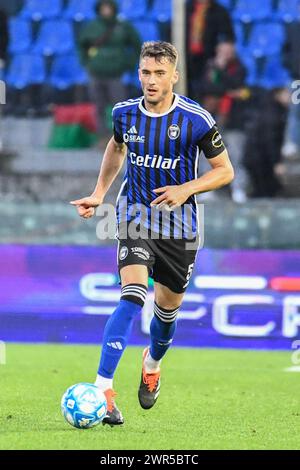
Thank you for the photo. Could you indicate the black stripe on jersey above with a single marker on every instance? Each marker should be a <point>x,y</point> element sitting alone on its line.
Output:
<point>163,152</point>
<point>191,220</point>
<point>130,168</point>
<point>136,180</point>
<point>190,161</point>
<point>177,150</point>
<point>156,150</point>
<point>147,170</point>
<point>169,181</point>
<point>178,167</point>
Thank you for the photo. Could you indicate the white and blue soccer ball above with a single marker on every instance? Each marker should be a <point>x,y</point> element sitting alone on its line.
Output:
<point>83,405</point>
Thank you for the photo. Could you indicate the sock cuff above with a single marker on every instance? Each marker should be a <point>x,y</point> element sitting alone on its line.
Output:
<point>165,315</point>
<point>136,293</point>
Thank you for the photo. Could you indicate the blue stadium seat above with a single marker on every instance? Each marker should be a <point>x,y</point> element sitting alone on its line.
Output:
<point>20,35</point>
<point>131,78</point>
<point>251,67</point>
<point>147,29</point>
<point>239,32</point>
<point>267,39</point>
<point>161,10</point>
<point>80,10</point>
<point>131,9</point>
<point>275,75</point>
<point>55,37</point>
<point>41,9</point>
<point>226,3</point>
<point>26,69</point>
<point>252,10</point>
<point>288,10</point>
<point>67,71</point>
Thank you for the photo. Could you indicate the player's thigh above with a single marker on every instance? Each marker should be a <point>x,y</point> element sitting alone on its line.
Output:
<point>166,298</point>
<point>134,274</point>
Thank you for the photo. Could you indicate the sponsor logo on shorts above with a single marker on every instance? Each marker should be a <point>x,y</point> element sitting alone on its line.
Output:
<point>141,252</point>
<point>123,253</point>
<point>217,140</point>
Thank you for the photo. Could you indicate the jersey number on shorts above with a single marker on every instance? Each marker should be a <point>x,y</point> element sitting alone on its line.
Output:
<point>188,276</point>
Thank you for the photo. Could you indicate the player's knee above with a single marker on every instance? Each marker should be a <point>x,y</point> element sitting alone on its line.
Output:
<point>166,315</point>
<point>134,293</point>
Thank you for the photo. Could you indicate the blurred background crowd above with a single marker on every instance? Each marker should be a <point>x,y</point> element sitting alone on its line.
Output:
<point>66,62</point>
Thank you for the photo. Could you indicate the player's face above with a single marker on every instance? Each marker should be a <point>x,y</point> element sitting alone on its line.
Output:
<point>157,79</point>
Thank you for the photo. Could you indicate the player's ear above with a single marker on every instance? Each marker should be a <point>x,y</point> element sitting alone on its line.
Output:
<point>140,74</point>
<point>175,77</point>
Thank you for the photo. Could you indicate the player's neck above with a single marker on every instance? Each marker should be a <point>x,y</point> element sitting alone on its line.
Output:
<point>161,107</point>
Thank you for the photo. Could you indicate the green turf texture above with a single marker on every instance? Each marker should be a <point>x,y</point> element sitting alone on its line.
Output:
<point>210,399</point>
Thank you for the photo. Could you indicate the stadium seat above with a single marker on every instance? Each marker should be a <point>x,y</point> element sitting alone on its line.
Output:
<point>26,69</point>
<point>288,10</point>
<point>147,29</point>
<point>132,10</point>
<point>226,3</point>
<point>41,9</point>
<point>253,10</point>
<point>239,32</point>
<point>80,10</point>
<point>20,35</point>
<point>250,64</point>
<point>67,71</point>
<point>161,10</point>
<point>131,78</point>
<point>274,75</point>
<point>55,37</point>
<point>266,39</point>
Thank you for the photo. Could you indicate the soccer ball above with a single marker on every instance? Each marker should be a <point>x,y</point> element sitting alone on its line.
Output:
<point>83,405</point>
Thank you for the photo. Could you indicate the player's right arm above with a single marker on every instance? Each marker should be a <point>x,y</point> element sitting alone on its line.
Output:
<point>111,164</point>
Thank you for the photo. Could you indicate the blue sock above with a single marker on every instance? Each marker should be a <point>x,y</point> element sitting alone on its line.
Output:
<point>161,334</point>
<point>118,328</point>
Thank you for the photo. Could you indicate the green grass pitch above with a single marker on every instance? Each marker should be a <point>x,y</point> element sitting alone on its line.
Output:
<point>210,399</point>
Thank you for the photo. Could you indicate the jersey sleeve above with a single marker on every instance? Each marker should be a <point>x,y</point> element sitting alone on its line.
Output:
<point>212,143</point>
<point>117,127</point>
<point>208,137</point>
<point>203,122</point>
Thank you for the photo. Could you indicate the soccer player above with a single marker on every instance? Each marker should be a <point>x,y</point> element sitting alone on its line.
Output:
<point>162,134</point>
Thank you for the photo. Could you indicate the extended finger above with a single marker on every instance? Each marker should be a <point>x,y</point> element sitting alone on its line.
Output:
<point>158,200</point>
<point>77,202</point>
<point>160,190</point>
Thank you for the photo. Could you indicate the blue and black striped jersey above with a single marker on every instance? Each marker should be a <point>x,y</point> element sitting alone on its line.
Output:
<point>163,149</point>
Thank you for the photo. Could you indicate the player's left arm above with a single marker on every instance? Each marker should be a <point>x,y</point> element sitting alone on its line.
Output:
<point>221,173</point>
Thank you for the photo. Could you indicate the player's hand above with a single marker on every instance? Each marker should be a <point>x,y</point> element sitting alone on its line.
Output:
<point>170,196</point>
<point>87,205</point>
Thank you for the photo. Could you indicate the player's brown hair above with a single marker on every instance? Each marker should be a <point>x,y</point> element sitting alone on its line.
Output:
<point>159,50</point>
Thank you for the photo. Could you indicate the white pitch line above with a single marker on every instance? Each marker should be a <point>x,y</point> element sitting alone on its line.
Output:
<point>292,369</point>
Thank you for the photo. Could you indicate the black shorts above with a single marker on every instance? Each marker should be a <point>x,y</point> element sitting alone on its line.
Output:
<point>169,262</point>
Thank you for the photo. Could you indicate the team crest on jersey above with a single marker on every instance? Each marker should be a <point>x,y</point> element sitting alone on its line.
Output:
<point>173,132</point>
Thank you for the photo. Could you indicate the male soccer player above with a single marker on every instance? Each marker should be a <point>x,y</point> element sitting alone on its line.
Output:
<point>161,133</point>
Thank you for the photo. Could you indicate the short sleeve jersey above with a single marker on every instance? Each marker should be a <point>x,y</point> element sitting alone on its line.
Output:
<point>162,149</point>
